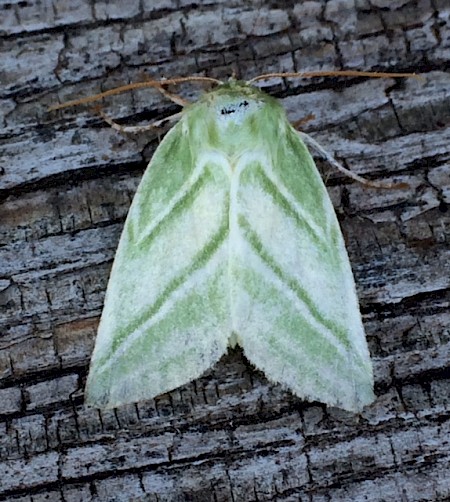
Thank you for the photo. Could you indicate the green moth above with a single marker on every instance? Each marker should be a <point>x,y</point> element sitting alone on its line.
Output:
<point>230,240</point>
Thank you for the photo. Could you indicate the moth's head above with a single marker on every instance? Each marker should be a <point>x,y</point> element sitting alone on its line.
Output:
<point>233,116</point>
<point>235,101</point>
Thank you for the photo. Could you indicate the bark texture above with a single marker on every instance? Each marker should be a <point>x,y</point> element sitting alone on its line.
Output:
<point>66,182</point>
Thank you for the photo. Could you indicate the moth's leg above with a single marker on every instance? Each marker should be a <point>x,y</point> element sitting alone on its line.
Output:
<point>173,97</point>
<point>312,143</point>
<point>167,121</point>
<point>304,120</point>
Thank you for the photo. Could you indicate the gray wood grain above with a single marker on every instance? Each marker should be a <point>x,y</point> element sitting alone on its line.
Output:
<point>66,182</point>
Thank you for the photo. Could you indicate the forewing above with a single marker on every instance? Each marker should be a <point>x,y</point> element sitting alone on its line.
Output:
<point>296,312</point>
<point>166,313</point>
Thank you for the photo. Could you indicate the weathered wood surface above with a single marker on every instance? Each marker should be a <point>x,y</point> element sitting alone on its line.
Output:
<point>66,181</point>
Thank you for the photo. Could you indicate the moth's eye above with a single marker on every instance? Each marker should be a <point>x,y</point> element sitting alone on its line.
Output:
<point>227,111</point>
<point>232,109</point>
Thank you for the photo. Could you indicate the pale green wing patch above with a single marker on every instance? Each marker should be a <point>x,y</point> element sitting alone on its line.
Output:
<point>296,310</point>
<point>166,314</point>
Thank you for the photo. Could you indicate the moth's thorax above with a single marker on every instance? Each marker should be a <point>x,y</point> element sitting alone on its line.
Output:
<point>233,118</point>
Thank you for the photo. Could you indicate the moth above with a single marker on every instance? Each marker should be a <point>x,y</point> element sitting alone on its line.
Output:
<point>231,239</point>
